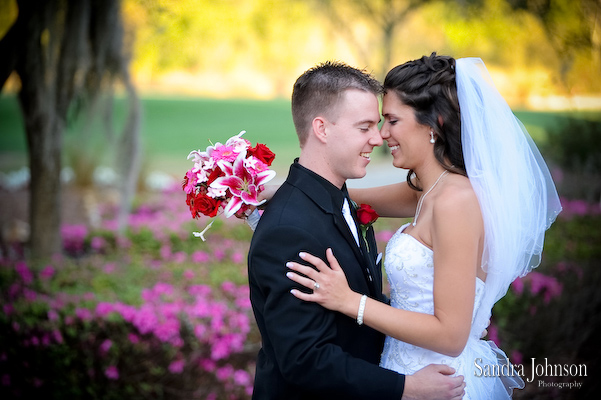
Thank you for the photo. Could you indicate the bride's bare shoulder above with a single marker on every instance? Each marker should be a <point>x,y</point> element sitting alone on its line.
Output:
<point>457,197</point>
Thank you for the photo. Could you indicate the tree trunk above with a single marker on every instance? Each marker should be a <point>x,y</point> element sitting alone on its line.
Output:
<point>387,43</point>
<point>42,125</point>
<point>44,136</point>
<point>65,50</point>
<point>51,45</point>
<point>128,157</point>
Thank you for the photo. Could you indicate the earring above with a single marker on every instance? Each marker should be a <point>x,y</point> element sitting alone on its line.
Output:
<point>432,137</point>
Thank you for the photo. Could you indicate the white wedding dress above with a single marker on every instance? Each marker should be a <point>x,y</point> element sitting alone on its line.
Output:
<point>410,269</point>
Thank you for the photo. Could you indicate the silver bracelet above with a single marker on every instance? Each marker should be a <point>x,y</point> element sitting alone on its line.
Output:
<point>361,310</point>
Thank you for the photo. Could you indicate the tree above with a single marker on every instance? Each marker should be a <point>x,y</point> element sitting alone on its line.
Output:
<point>572,28</point>
<point>381,16</point>
<point>65,52</point>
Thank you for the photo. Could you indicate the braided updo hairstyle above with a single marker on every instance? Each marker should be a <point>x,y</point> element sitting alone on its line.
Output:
<point>428,86</point>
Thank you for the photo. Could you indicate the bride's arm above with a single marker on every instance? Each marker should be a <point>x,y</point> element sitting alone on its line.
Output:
<point>456,233</point>
<point>395,200</point>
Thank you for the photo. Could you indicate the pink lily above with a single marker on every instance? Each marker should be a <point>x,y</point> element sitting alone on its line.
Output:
<point>243,185</point>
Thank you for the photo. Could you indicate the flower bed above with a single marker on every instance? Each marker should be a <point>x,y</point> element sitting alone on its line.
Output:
<point>153,313</point>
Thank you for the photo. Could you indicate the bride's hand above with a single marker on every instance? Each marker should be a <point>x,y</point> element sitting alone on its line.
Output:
<point>267,193</point>
<point>329,285</point>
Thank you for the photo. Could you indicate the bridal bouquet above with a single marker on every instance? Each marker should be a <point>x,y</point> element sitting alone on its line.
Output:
<point>227,178</point>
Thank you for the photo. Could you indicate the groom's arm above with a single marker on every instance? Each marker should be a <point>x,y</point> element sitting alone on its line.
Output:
<point>303,334</point>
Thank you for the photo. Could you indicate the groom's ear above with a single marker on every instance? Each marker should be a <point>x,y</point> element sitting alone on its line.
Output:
<point>319,128</point>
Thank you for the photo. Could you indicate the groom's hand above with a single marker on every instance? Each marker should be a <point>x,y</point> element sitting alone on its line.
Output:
<point>434,382</point>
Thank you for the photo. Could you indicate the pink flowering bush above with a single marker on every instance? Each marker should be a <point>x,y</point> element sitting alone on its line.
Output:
<point>192,339</point>
<point>553,312</point>
<point>153,313</point>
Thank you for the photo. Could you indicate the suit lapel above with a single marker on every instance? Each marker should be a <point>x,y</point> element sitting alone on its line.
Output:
<point>367,258</point>
<point>373,252</point>
<point>299,177</point>
<point>369,250</point>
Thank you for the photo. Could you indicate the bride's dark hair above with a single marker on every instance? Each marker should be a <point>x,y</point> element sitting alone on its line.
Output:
<point>428,86</point>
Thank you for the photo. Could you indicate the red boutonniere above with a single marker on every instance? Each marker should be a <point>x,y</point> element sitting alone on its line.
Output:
<point>366,216</point>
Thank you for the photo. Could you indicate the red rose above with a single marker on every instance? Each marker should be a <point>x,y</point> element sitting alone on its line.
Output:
<point>205,205</point>
<point>366,215</point>
<point>262,152</point>
<point>217,172</point>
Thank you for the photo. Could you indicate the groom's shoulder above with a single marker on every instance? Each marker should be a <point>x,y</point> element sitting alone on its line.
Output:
<point>287,211</point>
<point>289,207</point>
<point>289,199</point>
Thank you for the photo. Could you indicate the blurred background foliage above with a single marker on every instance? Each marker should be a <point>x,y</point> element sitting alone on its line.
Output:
<point>544,55</point>
<point>257,48</point>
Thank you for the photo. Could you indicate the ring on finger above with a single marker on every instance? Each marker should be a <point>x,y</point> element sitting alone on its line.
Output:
<point>315,285</point>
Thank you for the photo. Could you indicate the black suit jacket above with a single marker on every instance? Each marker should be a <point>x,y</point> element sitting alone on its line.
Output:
<point>309,352</point>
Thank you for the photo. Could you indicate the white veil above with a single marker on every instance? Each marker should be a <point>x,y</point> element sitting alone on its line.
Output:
<point>515,191</point>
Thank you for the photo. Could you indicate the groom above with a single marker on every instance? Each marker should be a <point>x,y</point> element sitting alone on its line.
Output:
<point>309,352</point>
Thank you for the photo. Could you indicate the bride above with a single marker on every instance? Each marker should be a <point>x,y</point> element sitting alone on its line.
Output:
<point>481,198</point>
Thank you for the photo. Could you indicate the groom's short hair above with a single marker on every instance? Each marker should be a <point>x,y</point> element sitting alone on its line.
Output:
<point>318,90</point>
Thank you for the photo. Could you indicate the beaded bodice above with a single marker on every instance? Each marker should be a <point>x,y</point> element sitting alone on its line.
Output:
<point>410,268</point>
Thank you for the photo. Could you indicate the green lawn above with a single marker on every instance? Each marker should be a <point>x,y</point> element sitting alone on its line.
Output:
<point>173,126</point>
